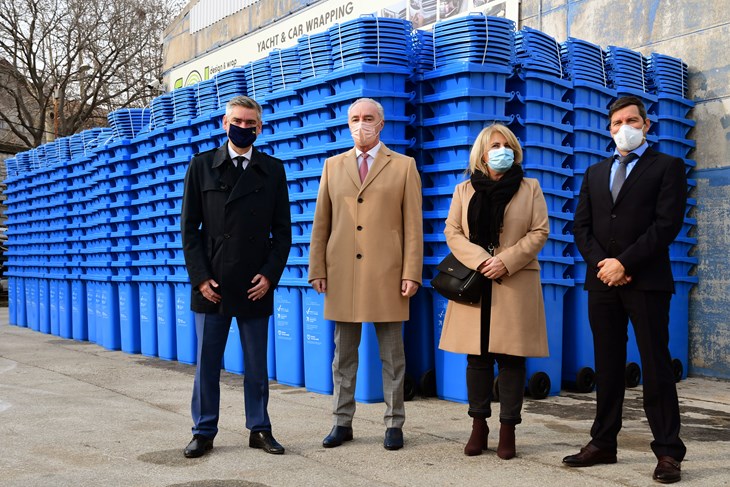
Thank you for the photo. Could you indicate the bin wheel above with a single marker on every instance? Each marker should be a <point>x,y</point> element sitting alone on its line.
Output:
<point>632,375</point>
<point>678,369</point>
<point>409,388</point>
<point>539,385</point>
<point>495,390</point>
<point>585,381</point>
<point>427,383</point>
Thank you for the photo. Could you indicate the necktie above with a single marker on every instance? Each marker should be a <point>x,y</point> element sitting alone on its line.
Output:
<point>620,176</point>
<point>239,163</point>
<point>364,167</point>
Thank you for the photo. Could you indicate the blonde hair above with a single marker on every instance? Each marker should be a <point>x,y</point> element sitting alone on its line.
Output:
<point>476,156</point>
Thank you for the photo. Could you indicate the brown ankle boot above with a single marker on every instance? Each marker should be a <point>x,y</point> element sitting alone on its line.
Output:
<point>478,439</point>
<point>506,447</point>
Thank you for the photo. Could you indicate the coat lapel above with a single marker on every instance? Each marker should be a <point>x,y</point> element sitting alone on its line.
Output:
<point>251,180</point>
<point>646,159</point>
<point>383,159</point>
<point>350,162</point>
<point>603,173</point>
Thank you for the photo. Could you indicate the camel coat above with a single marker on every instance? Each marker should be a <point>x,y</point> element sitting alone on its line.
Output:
<point>518,313</point>
<point>367,238</point>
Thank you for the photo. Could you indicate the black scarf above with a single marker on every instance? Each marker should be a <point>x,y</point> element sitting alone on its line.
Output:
<point>486,208</point>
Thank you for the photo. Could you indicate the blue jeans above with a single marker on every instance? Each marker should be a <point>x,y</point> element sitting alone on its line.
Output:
<point>212,330</point>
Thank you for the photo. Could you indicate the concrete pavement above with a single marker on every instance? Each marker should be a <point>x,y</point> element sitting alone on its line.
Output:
<point>75,414</point>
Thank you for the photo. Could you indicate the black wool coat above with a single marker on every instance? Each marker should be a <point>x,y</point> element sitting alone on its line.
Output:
<point>234,228</point>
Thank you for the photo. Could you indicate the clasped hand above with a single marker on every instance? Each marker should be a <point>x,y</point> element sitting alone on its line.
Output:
<point>612,273</point>
<point>493,268</point>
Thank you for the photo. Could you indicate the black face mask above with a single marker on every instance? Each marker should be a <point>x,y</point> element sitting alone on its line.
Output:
<point>241,137</point>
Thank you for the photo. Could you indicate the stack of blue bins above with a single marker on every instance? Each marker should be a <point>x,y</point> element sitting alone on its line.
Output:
<point>308,124</point>
<point>303,350</point>
<point>667,78</point>
<point>163,111</point>
<point>207,96</point>
<point>79,186</point>
<point>463,91</point>
<point>127,123</point>
<point>274,78</point>
<point>585,64</point>
<point>540,106</point>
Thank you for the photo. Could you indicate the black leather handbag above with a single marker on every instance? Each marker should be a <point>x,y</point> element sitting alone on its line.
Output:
<point>457,282</point>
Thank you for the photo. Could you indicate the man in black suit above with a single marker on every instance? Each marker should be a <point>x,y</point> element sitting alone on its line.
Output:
<point>631,208</point>
<point>236,234</point>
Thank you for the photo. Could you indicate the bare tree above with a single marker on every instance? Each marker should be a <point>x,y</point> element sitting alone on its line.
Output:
<point>73,61</point>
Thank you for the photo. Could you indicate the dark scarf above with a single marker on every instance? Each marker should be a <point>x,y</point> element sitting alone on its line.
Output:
<point>486,208</point>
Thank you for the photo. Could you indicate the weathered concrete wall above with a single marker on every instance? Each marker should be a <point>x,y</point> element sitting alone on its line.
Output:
<point>180,46</point>
<point>696,31</point>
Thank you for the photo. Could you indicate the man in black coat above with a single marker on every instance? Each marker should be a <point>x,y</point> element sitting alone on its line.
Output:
<point>631,208</point>
<point>236,234</point>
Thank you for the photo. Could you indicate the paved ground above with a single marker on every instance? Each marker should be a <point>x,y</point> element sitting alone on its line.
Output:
<point>75,414</point>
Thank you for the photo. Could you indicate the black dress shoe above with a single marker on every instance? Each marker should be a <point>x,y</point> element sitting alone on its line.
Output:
<point>198,446</point>
<point>337,436</point>
<point>588,456</point>
<point>393,439</point>
<point>265,440</point>
<point>667,471</point>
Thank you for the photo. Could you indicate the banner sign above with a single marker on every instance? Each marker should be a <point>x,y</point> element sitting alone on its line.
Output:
<point>321,16</point>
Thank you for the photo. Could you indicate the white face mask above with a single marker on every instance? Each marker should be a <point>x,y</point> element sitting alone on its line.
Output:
<point>364,133</point>
<point>628,138</point>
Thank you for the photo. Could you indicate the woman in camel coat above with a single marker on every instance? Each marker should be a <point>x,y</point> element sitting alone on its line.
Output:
<point>497,224</point>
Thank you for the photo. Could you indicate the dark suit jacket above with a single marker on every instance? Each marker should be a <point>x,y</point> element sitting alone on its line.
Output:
<point>233,229</point>
<point>638,228</point>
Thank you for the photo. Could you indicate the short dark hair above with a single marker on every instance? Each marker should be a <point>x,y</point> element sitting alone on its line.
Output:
<point>627,101</point>
<point>245,102</point>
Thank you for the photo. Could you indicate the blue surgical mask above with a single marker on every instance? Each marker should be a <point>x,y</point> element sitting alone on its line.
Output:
<point>242,137</point>
<point>500,160</point>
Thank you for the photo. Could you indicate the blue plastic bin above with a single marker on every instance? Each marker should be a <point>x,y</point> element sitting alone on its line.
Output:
<point>271,349</point>
<point>21,315</point>
<point>418,342</point>
<point>44,306</point>
<point>319,344</point>
<point>110,332</point>
<point>289,337</point>
<point>369,385</point>
<point>79,323</point>
<point>233,353</point>
<point>13,302</point>
<point>187,340</point>
<point>148,319</point>
<point>64,310</point>
<point>450,367</point>
<point>166,321</point>
<point>31,303</point>
<point>544,375</point>
<point>579,368</point>
<point>129,317</point>
<point>53,297</point>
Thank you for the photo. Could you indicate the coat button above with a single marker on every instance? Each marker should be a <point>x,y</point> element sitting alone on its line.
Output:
<point>359,256</point>
<point>359,200</point>
<point>253,212</point>
<point>359,228</point>
<point>226,236</point>
<point>250,239</point>
<point>224,187</point>
<point>613,215</point>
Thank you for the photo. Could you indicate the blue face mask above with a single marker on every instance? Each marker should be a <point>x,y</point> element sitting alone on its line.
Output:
<point>242,137</point>
<point>500,160</point>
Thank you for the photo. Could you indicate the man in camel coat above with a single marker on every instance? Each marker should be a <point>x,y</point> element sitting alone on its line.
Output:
<point>366,255</point>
